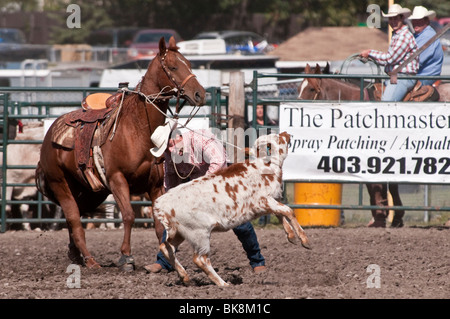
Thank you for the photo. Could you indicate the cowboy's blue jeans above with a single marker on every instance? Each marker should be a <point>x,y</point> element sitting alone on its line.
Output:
<point>396,92</point>
<point>246,235</point>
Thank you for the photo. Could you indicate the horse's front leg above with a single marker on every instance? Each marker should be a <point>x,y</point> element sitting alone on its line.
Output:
<point>121,193</point>
<point>159,228</point>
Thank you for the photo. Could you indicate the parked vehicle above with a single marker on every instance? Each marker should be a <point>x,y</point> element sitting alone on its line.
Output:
<point>14,48</point>
<point>239,41</point>
<point>145,42</point>
<point>112,37</point>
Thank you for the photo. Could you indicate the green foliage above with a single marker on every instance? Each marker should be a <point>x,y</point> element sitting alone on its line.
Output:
<point>92,17</point>
<point>193,16</point>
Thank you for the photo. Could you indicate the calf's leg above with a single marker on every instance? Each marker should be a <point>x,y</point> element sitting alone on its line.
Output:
<point>168,248</point>
<point>282,210</point>
<point>204,263</point>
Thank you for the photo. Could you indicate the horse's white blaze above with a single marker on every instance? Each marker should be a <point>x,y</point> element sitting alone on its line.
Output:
<point>184,62</point>
<point>302,87</point>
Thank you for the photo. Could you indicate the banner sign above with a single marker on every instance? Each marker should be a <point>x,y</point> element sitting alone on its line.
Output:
<point>367,142</point>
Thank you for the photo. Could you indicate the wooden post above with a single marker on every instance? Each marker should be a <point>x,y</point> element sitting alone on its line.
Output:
<point>236,109</point>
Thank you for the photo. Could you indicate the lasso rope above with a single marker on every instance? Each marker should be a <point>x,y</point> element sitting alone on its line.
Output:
<point>150,99</point>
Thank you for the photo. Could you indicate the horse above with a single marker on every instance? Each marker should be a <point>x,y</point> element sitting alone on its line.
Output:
<point>129,167</point>
<point>333,89</point>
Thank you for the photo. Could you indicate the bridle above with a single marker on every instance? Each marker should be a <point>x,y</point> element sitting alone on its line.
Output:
<point>179,88</point>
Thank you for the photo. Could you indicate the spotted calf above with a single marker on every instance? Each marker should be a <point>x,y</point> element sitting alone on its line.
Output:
<point>224,200</point>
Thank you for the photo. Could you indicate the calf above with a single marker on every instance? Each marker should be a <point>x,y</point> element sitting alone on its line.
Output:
<point>224,200</point>
<point>26,154</point>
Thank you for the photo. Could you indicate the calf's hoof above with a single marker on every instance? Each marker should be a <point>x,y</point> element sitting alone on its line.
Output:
<point>91,263</point>
<point>306,244</point>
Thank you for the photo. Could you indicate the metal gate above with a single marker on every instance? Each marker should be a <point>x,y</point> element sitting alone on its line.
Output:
<point>39,104</point>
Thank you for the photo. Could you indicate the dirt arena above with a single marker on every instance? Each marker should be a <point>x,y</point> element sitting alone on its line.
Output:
<point>412,263</point>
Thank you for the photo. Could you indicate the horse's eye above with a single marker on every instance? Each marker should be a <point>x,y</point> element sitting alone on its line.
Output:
<point>173,68</point>
<point>312,89</point>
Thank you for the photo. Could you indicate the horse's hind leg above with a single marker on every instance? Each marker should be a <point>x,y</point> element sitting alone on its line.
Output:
<point>76,231</point>
<point>397,221</point>
<point>378,197</point>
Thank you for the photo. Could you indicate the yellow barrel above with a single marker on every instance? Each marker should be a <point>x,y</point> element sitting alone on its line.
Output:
<point>318,194</point>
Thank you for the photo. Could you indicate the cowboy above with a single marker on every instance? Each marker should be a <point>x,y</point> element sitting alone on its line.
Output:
<point>432,58</point>
<point>401,47</point>
<point>186,157</point>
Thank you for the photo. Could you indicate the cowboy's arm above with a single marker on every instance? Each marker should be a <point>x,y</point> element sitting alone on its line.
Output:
<point>397,51</point>
<point>214,154</point>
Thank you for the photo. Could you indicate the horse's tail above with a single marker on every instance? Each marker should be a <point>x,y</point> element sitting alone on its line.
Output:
<point>41,184</point>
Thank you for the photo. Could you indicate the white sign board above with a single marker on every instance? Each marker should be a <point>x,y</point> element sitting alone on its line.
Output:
<point>367,142</point>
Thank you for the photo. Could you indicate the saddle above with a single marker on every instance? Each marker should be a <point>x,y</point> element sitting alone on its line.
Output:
<point>419,93</point>
<point>76,130</point>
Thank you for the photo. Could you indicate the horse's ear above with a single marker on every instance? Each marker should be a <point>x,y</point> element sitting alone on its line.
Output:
<point>172,44</point>
<point>318,71</point>
<point>162,46</point>
<point>307,68</point>
<point>326,70</point>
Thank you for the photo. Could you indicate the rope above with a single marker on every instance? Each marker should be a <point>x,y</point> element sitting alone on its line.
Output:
<point>150,99</point>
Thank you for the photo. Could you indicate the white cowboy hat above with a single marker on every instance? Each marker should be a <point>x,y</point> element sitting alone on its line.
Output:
<point>160,137</point>
<point>396,10</point>
<point>421,12</point>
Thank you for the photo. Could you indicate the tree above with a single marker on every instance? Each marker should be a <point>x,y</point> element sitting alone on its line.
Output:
<point>92,16</point>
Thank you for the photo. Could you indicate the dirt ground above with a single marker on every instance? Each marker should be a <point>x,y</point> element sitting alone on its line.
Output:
<point>408,263</point>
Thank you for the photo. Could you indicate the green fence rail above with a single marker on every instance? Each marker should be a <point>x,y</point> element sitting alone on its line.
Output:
<point>12,110</point>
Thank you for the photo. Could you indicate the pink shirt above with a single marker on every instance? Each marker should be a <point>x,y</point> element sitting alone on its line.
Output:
<point>202,154</point>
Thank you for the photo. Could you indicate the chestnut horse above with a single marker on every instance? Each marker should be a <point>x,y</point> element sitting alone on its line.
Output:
<point>129,167</point>
<point>333,89</point>
<point>338,90</point>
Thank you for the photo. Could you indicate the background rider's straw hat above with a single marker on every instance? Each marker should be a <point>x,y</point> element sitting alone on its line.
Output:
<point>395,10</point>
<point>160,137</point>
<point>421,12</point>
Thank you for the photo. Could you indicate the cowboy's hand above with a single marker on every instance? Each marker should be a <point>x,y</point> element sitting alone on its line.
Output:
<point>365,53</point>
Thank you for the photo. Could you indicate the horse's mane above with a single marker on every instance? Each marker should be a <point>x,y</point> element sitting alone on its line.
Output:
<point>343,83</point>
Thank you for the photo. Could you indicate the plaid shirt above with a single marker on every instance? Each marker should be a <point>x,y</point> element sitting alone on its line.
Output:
<point>202,154</point>
<point>401,47</point>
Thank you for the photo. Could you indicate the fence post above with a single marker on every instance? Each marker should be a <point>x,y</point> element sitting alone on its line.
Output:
<point>236,106</point>
<point>4,164</point>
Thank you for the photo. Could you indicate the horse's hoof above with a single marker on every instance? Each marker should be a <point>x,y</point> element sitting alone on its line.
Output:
<point>126,263</point>
<point>75,258</point>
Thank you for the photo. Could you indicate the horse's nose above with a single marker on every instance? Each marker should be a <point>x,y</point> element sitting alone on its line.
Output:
<point>200,97</point>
